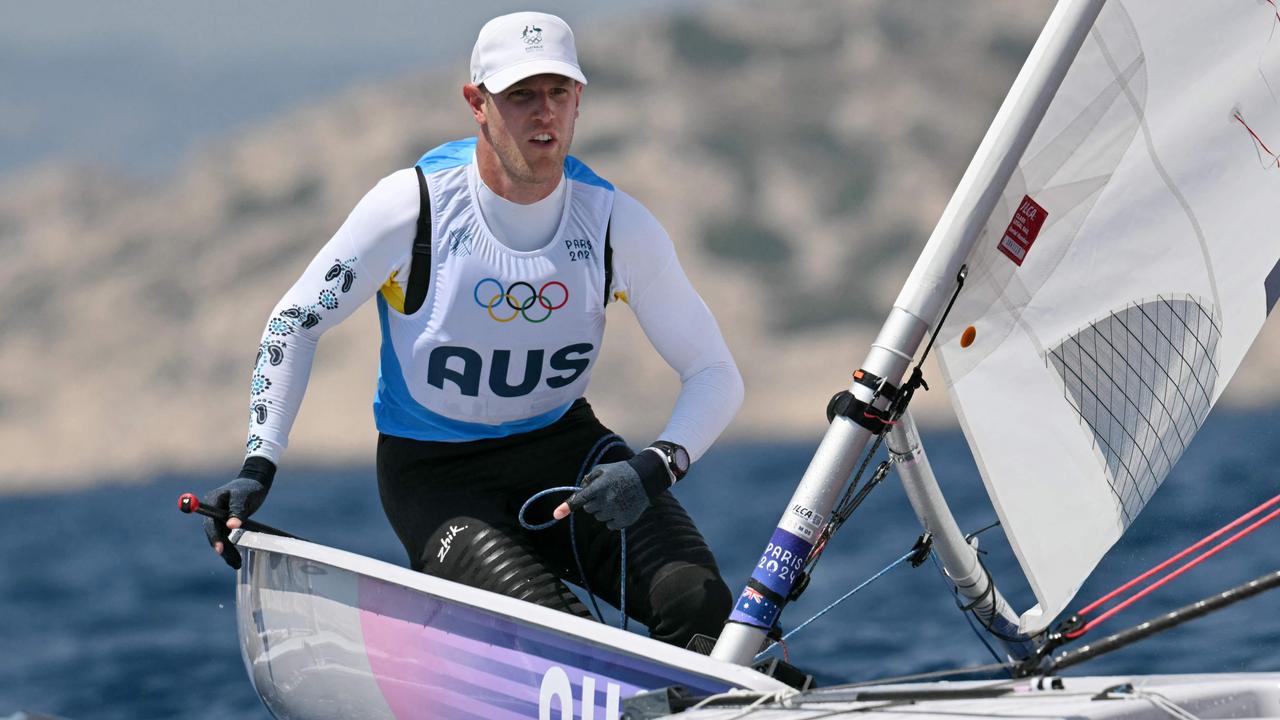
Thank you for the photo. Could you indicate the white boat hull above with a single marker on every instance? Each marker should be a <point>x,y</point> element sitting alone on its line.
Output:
<point>330,634</point>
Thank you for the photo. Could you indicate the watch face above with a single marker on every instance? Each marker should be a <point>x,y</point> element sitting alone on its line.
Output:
<point>680,457</point>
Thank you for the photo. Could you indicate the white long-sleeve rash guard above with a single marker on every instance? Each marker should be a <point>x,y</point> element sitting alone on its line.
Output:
<point>374,245</point>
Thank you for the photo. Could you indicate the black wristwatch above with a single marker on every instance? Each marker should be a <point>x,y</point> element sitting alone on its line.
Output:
<point>676,456</point>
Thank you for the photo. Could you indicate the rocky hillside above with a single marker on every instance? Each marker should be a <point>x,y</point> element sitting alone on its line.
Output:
<point>799,157</point>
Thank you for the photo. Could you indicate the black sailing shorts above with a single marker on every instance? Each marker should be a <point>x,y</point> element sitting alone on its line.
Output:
<point>454,507</point>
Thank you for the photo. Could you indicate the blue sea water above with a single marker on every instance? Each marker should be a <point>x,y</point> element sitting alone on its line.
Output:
<point>112,605</point>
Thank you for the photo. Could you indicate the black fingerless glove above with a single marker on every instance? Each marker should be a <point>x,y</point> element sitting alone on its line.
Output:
<point>618,493</point>
<point>239,498</point>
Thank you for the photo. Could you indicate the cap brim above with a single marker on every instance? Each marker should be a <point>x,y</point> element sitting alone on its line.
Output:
<point>507,77</point>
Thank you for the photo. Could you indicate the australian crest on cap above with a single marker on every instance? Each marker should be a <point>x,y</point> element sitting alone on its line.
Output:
<point>519,45</point>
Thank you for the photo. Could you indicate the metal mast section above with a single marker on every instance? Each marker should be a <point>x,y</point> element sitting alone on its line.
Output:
<point>958,556</point>
<point>917,307</point>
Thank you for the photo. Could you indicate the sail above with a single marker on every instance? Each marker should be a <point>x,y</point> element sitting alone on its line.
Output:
<point>1129,264</point>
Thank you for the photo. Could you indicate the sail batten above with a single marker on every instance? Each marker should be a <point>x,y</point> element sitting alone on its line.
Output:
<point>1128,264</point>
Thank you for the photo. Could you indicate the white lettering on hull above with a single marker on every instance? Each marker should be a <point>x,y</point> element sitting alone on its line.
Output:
<point>556,687</point>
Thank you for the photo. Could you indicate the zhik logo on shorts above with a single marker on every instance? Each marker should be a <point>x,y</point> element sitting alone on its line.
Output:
<point>447,542</point>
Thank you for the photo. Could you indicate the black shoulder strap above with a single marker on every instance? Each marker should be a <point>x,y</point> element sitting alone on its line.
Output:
<point>420,264</point>
<point>608,260</point>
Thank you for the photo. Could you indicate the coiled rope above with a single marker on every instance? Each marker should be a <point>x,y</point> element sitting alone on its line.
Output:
<point>603,445</point>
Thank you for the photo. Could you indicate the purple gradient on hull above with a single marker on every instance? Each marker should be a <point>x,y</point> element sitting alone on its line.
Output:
<point>461,662</point>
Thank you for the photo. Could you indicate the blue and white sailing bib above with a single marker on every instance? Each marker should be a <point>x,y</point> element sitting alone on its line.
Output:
<point>505,340</point>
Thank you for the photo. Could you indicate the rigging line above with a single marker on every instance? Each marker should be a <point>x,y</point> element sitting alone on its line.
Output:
<point>987,595</point>
<point>898,405</point>
<point>603,445</point>
<point>942,575</point>
<point>1163,703</point>
<point>593,457</point>
<point>1164,622</point>
<point>976,533</point>
<point>577,557</point>
<point>989,623</point>
<point>1240,120</point>
<point>876,478</point>
<point>760,702</point>
<point>840,512</point>
<point>960,276</point>
<point>850,502</point>
<point>1126,691</point>
<point>1199,544</point>
<point>968,670</point>
<point>1164,580</point>
<point>743,695</point>
<point>844,597</point>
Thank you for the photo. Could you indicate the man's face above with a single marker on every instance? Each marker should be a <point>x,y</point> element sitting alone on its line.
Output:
<point>530,125</point>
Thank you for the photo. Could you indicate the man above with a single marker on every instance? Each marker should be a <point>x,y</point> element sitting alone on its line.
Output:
<point>491,322</point>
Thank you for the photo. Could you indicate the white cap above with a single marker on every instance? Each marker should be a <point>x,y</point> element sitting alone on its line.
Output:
<point>513,47</point>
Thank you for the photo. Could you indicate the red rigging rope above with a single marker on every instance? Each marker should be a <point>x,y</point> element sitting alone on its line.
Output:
<point>1175,573</point>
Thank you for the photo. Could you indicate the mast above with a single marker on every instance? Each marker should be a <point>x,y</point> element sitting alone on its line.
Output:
<point>918,305</point>
<point>958,556</point>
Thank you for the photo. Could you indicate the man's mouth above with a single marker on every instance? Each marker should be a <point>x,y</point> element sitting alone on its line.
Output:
<point>543,139</point>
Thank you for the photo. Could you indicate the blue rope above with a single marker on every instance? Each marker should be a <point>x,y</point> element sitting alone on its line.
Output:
<point>594,454</point>
<point>593,457</point>
<point>844,597</point>
<point>533,498</point>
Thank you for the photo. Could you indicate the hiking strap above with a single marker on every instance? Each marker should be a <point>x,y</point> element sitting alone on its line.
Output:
<point>608,260</point>
<point>420,265</point>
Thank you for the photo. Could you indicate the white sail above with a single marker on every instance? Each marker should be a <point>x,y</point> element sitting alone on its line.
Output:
<point>1128,266</point>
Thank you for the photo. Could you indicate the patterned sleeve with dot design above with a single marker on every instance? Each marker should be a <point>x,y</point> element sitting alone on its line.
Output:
<point>372,244</point>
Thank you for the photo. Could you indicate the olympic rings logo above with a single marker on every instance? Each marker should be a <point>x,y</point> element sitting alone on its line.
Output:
<point>520,299</point>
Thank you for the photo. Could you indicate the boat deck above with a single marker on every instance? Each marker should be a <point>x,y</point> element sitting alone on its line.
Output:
<point>1131,698</point>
